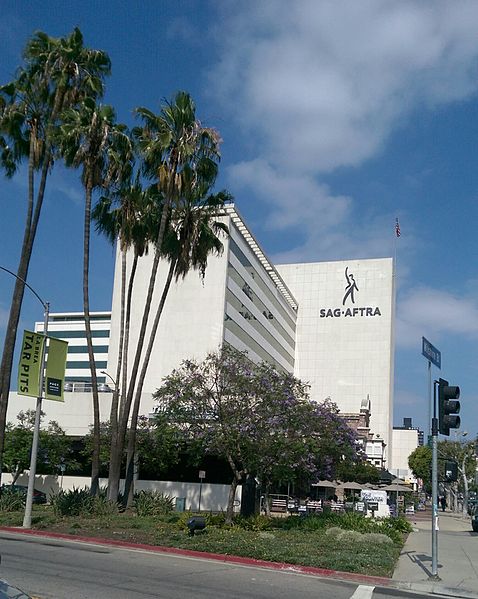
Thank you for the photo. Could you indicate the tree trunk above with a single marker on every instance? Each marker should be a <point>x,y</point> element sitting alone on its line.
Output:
<point>124,416</point>
<point>465,487</point>
<point>31,225</point>
<point>238,474</point>
<point>129,479</point>
<point>116,451</point>
<point>112,495</point>
<point>95,458</point>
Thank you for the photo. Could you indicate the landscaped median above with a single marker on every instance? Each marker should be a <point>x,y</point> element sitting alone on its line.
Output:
<point>344,542</point>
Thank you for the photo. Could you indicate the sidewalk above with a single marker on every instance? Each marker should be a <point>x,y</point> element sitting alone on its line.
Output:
<point>457,557</point>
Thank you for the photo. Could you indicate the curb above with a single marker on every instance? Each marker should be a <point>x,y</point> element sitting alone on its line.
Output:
<point>220,557</point>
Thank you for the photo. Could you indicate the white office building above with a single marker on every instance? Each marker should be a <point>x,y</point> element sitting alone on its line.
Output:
<point>70,327</point>
<point>329,323</point>
<point>242,301</point>
<point>344,339</point>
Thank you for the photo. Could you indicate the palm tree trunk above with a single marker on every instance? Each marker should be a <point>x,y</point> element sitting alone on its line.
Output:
<point>116,391</point>
<point>124,417</point>
<point>31,225</point>
<point>129,479</point>
<point>116,449</point>
<point>95,458</point>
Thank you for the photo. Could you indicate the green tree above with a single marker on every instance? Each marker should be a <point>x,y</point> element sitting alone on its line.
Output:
<point>171,144</point>
<point>257,418</point>
<point>359,471</point>
<point>89,138</point>
<point>464,455</point>
<point>54,446</point>
<point>420,463</point>
<point>58,73</point>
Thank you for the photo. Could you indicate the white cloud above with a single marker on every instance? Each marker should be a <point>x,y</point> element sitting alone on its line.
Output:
<point>323,83</point>
<point>434,312</point>
<point>315,86</point>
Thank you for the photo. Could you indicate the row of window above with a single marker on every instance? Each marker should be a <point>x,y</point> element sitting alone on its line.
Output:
<point>276,298</point>
<point>275,341</point>
<point>77,334</point>
<point>247,291</point>
<point>251,343</point>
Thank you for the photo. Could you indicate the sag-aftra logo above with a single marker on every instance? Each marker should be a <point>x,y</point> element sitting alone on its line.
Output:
<point>351,288</point>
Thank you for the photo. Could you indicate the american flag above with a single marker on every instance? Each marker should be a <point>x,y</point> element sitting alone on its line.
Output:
<point>397,228</point>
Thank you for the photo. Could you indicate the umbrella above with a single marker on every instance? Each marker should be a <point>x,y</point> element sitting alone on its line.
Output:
<point>397,487</point>
<point>325,483</point>
<point>351,485</point>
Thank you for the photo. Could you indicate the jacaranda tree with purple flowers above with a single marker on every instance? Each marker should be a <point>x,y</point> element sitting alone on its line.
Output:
<point>258,418</point>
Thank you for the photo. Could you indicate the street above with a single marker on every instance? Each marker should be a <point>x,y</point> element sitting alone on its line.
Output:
<point>55,569</point>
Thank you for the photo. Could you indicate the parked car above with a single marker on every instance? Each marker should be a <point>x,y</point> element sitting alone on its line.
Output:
<point>9,592</point>
<point>474,518</point>
<point>471,504</point>
<point>38,496</point>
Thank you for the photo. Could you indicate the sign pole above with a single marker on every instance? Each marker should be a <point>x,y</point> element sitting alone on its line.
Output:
<point>434,574</point>
<point>433,355</point>
<point>27,518</point>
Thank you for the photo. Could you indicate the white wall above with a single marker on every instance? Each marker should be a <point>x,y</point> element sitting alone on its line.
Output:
<point>346,356</point>
<point>75,414</point>
<point>213,497</point>
<point>405,441</point>
<point>192,321</point>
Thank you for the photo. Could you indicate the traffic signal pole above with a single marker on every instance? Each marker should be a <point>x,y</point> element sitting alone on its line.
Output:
<point>434,574</point>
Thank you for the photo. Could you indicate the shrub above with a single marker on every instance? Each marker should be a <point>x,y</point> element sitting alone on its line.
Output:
<point>100,506</point>
<point>11,500</point>
<point>74,502</point>
<point>152,503</point>
<point>258,522</point>
<point>377,538</point>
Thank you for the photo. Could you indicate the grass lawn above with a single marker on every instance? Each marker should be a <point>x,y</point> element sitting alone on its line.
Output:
<point>314,541</point>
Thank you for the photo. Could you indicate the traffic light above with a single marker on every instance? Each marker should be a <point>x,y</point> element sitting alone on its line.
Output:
<point>451,471</point>
<point>448,407</point>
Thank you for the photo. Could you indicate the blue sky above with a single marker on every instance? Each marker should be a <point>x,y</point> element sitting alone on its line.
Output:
<point>336,117</point>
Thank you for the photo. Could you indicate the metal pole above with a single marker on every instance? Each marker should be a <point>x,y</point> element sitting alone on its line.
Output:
<point>27,519</point>
<point>429,394</point>
<point>200,493</point>
<point>434,574</point>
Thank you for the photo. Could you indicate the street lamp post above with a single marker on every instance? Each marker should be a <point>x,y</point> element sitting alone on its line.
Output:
<point>27,518</point>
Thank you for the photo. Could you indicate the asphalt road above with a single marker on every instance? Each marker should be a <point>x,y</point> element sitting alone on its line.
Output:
<point>55,569</point>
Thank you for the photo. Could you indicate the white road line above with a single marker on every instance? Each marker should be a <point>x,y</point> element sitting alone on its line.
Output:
<point>363,592</point>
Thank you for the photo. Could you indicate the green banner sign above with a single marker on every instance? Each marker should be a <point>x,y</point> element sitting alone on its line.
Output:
<point>55,368</point>
<point>29,366</point>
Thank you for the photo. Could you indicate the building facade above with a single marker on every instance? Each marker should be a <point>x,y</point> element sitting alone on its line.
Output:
<point>329,323</point>
<point>242,301</point>
<point>70,327</point>
<point>345,336</point>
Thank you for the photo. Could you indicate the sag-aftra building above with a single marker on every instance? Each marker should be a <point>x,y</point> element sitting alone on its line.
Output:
<point>329,323</point>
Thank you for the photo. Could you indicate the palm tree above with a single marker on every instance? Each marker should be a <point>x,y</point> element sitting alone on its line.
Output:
<point>89,138</point>
<point>192,236</point>
<point>58,73</point>
<point>127,214</point>
<point>168,143</point>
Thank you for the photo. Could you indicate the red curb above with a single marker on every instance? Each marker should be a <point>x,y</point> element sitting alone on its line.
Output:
<point>246,561</point>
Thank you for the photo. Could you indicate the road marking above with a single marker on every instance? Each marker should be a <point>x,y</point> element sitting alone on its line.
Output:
<point>363,592</point>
